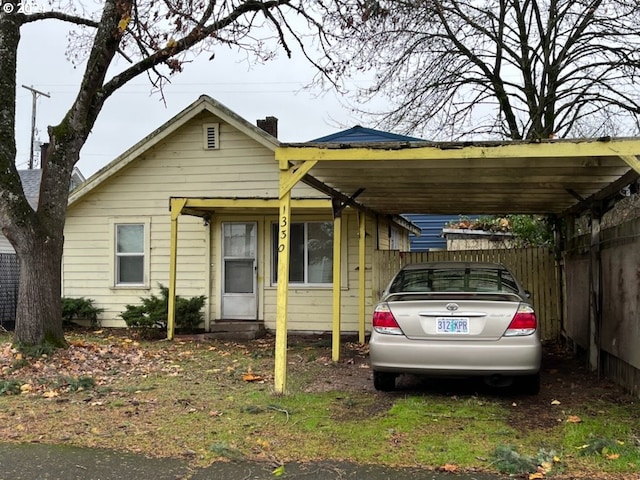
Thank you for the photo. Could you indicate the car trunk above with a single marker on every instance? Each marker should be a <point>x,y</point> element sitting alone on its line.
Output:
<point>459,316</point>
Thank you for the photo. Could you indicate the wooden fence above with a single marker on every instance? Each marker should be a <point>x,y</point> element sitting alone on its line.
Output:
<point>535,268</point>
<point>9,273</point>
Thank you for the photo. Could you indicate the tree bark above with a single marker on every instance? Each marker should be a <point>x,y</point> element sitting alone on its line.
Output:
<point>39,291</point>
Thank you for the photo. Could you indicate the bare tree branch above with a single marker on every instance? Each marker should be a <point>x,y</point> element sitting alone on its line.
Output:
<point>533,60</point>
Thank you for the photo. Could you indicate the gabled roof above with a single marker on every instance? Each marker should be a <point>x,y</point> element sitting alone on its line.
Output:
<point>361,134</point>
<point>203,104</point>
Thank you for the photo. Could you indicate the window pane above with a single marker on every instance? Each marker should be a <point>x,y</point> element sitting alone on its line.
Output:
<point>320,246</point>
<point>131,269</point>
<point>296,254</point>
<point>130,238</point>
<point>239,239</point>
<point>238,276</point>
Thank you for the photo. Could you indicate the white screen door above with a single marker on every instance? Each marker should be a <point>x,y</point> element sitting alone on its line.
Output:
<point>239,273</point>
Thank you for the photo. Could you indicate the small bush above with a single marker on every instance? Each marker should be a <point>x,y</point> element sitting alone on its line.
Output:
<point>9,387</point>
<point>80,309</point>
<point>154,312</point>
<point>508,460</point>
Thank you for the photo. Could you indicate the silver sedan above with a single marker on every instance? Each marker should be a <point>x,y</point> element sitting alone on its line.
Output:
<point>456,319</point>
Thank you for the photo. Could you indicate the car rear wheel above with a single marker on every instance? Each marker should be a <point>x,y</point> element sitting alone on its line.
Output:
<point>530,384</point>
<point>384,381</point>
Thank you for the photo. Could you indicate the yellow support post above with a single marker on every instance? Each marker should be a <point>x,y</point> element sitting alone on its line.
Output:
<point>337,286</point>
<point>176,206</point>
<point>362,219</point>
<point>284,228</point>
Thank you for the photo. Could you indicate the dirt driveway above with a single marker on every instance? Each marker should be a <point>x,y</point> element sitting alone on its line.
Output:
<point>565,381</point>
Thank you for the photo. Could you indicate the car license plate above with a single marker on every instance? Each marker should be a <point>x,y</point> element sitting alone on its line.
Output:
<point>453,325</point>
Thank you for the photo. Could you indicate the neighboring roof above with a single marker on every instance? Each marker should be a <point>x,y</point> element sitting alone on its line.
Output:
<point>77,178</point>
<point>475,233</point>
<point>31,185</point>
<point>203,104</point>
<point>361,134</point>
<point>32,178</point>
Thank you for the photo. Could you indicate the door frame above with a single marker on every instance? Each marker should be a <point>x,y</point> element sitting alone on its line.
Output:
<point>224,296</point>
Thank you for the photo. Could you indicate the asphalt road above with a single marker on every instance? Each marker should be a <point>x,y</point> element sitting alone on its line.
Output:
<point>51,462</point>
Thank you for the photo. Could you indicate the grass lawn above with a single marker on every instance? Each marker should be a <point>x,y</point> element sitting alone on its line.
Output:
<point>207,400</point>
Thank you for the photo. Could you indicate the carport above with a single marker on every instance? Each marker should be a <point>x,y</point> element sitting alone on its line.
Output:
<point>565,178</point>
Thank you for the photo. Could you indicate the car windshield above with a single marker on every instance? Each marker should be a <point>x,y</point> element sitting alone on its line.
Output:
<point>470,279</point>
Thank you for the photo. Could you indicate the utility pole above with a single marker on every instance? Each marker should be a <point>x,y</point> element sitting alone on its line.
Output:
<point>35,94</point>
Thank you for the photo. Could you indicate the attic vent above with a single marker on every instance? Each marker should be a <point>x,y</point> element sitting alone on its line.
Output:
<point>211,136</point>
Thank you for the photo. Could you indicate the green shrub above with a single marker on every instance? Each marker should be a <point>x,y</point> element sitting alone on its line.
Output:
<point>9,387</point>
<point>80,309</point>
<point>153,313</point>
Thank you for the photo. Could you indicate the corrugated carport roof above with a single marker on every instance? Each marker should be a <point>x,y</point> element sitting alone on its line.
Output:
<point>545,177</point>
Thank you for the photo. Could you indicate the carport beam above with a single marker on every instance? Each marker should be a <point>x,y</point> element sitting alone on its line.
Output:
<point>632,161</point>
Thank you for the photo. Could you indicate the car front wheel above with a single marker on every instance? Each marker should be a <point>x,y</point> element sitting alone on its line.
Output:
<point>384,381</point>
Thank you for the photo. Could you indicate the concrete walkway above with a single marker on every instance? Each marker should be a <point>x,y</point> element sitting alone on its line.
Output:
<point>51,462</point>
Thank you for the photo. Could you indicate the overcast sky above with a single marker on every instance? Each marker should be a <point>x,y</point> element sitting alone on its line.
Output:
<point>274,89</point>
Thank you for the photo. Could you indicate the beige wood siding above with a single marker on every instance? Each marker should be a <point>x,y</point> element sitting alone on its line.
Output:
<point>178,166</point>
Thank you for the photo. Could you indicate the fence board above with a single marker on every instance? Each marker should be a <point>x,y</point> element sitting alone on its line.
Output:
<point>534,267</point>
<point>9,272</point>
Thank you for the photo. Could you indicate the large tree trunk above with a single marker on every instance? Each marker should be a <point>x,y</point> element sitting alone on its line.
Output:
<point>39,293</point>
<point>39,243</point>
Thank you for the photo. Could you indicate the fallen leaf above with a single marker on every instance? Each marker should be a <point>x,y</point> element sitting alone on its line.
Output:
<point>534,476</point>
<point>279,471</point>
<point>449,467</point>
<point>50,394</point>
<point>574,419</point>
<point>555,402</point>
<point>612,456</point>
<point>250,377</point>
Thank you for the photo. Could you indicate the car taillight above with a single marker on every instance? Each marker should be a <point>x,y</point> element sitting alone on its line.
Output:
<point>384,321</point>
<point>524,322</point>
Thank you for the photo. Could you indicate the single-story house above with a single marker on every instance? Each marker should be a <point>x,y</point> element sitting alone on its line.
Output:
<point>118,229</point>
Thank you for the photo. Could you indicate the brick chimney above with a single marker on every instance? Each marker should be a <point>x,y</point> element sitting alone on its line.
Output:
<point>269,125</point>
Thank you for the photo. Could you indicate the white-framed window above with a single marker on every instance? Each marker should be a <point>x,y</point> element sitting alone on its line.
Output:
<point>130,267</point>
<point>211,133</point>
<point>310,253</point>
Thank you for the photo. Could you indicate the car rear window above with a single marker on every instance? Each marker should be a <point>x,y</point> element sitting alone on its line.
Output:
<point>454,280</point>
